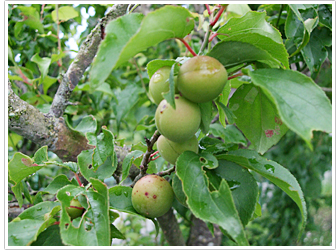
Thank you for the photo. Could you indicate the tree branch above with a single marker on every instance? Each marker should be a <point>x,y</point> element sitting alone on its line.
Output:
<point>83,59</point>
<point>200,234</point>
<point>171,229</point>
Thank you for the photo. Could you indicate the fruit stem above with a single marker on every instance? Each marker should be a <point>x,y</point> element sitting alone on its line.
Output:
<point>187,46</point>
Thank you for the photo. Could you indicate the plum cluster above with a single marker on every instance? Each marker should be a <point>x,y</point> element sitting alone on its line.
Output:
<point>200,79</point>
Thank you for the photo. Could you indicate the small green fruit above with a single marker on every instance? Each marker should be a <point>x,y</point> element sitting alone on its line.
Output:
<point>152,196</point>
<point>159,83</point>
<point>201,79</point>
<point>170,150</point>
<point>178,124</point>
<point>75,210</point>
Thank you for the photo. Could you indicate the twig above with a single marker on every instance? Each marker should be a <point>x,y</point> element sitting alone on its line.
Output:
<point>82,61</point>
<point>326,89</point>
<point>218,16</point>
<point>234,76</point>
<point>208,9</point>
<point>58,37</point>
<point>166,172</point>
<point>187,46</point>
<point>147,156</point>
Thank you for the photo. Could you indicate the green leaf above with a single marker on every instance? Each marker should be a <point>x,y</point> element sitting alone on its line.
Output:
<point>273,171</point>
<point>24,229</point>
<point>65,13</point>
<point>42,63</point>
<point>213,145</point>
<point>18,235</point>
<point>233,53</point>
<point>127,98</point>
<point>87,124</point>
<point>223,98</point>
<point>31,18</point>
<point>117,33</point>
<point>206,116</point>
<point>213,206</point>
<point>104,147</point>
<point>257,117</point>
<point>48,81</point>
<point>228,113</point>
<point>178,191</point>
<point>128,161</point>
<point>302,105</point>
<point>121,44</point>
<point>242,184</point>
<point>315,53</point>
<point>41,155</point>
<point>41,211</point>
<point>49,237</point>
<point>57,183</point>
<point>325,16</point>
<point>19,168</point>
<point>93,228</point>
<point>120,198</point>
<point>252,28</point>
<point>72,166</point>
<point>230,134</point>
<point>157,64</point>
<point>84,161</point>
<point>115,233</point>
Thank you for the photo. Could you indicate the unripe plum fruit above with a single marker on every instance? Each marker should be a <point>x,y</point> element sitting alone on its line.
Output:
<point>152,196</point>
<point>201,79</point>
<point>178,124</point>
<point>159,83</point>
<point>170,150</point>
<point>75,210</point>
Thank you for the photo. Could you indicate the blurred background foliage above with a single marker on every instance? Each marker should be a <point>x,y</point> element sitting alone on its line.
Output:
<point>122,105</point>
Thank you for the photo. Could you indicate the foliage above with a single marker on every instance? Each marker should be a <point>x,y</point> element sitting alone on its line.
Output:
<point>278,58</point>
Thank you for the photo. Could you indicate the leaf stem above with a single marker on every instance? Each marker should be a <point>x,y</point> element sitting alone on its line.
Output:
<point>78,180</point>
<point>234,76</point>
<point>187,46</point>
<point>218,16</point>
<point>208,9</point>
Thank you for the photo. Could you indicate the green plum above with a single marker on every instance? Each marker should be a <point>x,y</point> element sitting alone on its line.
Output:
<point>180,124</point>
<point>152,196</point>
<point>75,210</point>
<point>159,83</point>
<point>201,79</point>
<point>170,150</point>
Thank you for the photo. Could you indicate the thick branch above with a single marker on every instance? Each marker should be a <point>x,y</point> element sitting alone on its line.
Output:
<point>83,59</point>
<point>43,129</point>
<point>171,229</point>
<point>200,234</point>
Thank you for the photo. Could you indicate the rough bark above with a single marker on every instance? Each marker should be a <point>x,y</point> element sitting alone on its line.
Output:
<point>200,234</point>
<point>84,58</point>
<point>171,229</point>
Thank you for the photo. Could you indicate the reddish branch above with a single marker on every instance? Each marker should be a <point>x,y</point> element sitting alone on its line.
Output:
<point>218,16</point>
<point>187,46</point>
